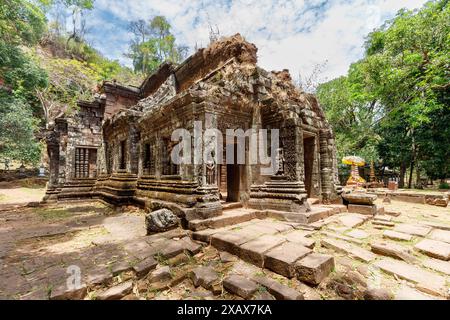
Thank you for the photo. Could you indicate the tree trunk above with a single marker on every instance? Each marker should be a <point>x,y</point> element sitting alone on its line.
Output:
<point>401,182</point>
<point>411,168</point>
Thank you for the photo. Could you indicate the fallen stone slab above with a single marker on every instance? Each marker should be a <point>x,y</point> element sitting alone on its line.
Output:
<point>117,292</point>
<point>264,295</point>
<point>358,234</point>
<point>160,274</point>
<point>352,221</point>
<point>204,276</point>
<point>438,265</point>
<point>191,246</point>
<point>171,249</point>
<point>359,198</point>
<point>119,267</point>
<point>416,230</point>
<point>393,250</point>
<point>370,210</point>
<point>254,250</point>
<point>429,282</point>
<point>143,267</point>
<point>277,225</point>
<point>352,250</point>
<point>62,292</point>
<point>394,235</point>
<point>383,223</point>
<point>226,257</point>
<point>440,235</point>
<point>282,258</point>
<point>240,286</point>
<point>278,290</point>
<point>342,237</point>
<point>229,241</point>
<point>298,236</point>
<point>392,212</point>
<point>407,293</point>
<point>434,248</point>
<point>314,268</point>
<point>442,226</point>
<point>383,218</point>
<point>98,277</point>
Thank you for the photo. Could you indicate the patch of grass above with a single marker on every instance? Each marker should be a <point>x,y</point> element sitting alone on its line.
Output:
<point>52,213</point>
<point>3,197</point>
<point>161,259</point>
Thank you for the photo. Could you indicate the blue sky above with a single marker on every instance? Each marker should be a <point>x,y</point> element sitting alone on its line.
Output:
<point>294,35</point>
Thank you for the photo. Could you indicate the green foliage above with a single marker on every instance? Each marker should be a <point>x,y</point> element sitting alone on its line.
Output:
<point>394,103</point>
<point>17,140</point>
<point>444,185</point>
<point>154,44</point>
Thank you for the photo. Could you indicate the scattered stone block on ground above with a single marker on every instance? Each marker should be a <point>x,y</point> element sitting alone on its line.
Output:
<point>99,276</point>
<point>160,274</point>
<point>352,221</point>
<point>342,237</point>
<point>393,250</point>
<point>407,293</point>
<point>358,234</point>
<point>359,198</point>
<point>383,223</point>
<point>442,226</point>
<point>440,235</point>
<point>171,249</point>
<point>393,213</point>
<point>226,257</point>
<point>117,292</point>
<point>370,210</point>
<point>240,286</point>
<point>119,267</point>
<point>438,265</point>
<point>314,268</point>
<point>264,295</point>
<point>415,230</point>
<point>352,250</point>
<point>62,292</point>
<point>278,290</point>
<point>143,267</point>
<point>429,282</point>
<point>434,248</point>
<point>204,276</point>
<point>253,251</point>
<point>298,236</point>
<point>229,241</point>
<point>282,258</point>
<point>394,235</point>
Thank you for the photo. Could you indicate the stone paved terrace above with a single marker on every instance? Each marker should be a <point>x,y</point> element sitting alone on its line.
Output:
<point>343,256</point>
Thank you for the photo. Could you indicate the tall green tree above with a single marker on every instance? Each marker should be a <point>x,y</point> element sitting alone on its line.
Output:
<point>154,44</point>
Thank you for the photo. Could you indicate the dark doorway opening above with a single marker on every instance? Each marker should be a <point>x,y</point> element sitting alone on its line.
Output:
<point>229,175</point>
<point>309,150</point>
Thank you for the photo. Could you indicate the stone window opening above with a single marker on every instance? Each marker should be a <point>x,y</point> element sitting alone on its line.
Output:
<point>85,163</point>
<point>148,163</point>
<point>168,168</point>
<point>122,155</point>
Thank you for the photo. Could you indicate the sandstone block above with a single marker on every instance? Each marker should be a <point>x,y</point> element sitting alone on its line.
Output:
<point>282,259</point>
<point>240,286</point>
<point>314,268</point>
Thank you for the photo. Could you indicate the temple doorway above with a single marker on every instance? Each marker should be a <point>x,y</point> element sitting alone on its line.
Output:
<point>229,177</point>
<point>308,149</point>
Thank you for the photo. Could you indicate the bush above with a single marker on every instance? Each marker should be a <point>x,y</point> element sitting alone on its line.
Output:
<point>444,185</point>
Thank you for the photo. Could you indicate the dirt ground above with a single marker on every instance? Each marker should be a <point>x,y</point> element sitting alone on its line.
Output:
<point>39,246</point>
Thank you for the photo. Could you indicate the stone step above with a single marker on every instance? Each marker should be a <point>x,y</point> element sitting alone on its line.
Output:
<point>426,281</point>
<point>229,217</point>
<point>231,205</point>
<point>282,259</point>
<point>434,248</point>
<point>352,250</point>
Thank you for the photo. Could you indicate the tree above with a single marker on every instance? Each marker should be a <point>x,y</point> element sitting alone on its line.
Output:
<point>401,88</point>
<point>153,44</point>
<point>17,136</point>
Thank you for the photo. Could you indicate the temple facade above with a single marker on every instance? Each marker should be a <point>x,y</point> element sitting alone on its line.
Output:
<point>118,147</point>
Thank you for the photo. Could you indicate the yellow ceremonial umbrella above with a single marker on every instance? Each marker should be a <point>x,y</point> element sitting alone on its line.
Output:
<point>355,162</point>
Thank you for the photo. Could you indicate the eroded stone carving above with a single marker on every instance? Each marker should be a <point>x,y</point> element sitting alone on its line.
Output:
<point>160,220</point>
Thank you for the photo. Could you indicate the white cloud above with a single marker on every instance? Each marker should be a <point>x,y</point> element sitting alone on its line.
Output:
<point>292,35</point>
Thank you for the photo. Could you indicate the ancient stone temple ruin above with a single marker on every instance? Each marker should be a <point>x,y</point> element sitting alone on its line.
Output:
<point>117,148</point>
